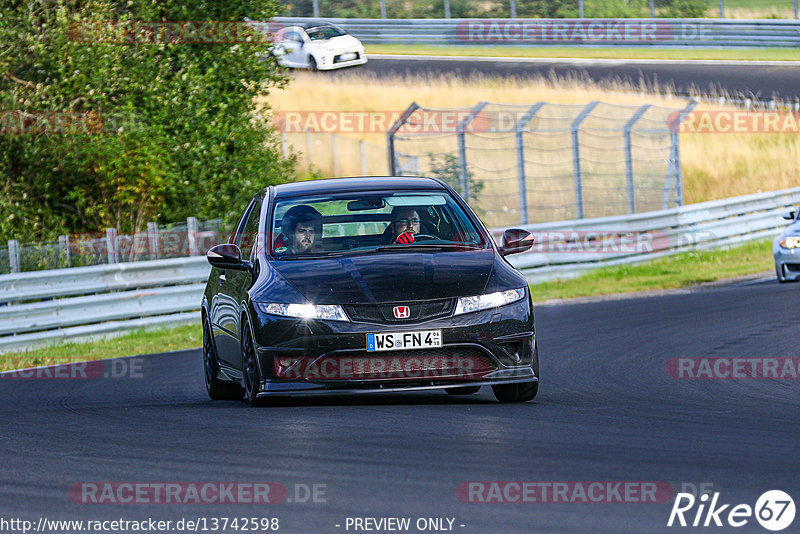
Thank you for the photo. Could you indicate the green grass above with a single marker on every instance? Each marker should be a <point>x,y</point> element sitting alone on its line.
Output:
<point>675,271</point>
<point>680,270</point>
<point>137,342</point>
<point>758,54</point>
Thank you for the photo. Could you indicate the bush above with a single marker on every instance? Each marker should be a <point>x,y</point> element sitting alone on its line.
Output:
<point>156,131</point>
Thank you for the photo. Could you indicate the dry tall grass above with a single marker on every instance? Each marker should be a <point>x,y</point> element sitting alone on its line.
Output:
<point>714,165</point>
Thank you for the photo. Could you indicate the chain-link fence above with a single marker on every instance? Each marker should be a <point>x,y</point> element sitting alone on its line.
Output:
<point>520,164</point>
<point>190,238</point>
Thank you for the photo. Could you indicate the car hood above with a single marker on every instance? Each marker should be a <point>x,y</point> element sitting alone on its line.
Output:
<point>389,277</point>
<point>792,229</point>
<point>343,42</point>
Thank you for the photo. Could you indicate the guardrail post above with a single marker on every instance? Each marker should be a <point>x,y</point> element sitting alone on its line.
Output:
<point>462,148</point>
<point>513,8</point>
<point>392,157</point>
<point>383,9</point>
<point>152,235</point>
<point>521,178</point>
<point>576,158</point>
<point>13,255</point>
<point>722,9</point>
<point>447,8</point>
<point>111,245</point>
<point>63,242</point>
<point>191,230</point>
<point>315,8</point>
<point>626,131</point>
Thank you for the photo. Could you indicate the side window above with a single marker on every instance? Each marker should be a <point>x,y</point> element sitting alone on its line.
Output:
<point>249,234</point>
<point>293,36</point>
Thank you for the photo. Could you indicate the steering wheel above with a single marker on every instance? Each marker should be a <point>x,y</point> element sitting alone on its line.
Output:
<point>427,236</point>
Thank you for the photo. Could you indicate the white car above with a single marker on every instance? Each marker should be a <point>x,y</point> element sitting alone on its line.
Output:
<point>320,46</point>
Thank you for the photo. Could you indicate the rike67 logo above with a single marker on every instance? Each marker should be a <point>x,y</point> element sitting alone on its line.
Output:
<point>774,510</point>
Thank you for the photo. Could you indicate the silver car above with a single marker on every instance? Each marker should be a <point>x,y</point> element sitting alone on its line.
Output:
<point>786,249</point>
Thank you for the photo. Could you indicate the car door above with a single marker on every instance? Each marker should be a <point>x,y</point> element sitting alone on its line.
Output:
<point>227,308</point>
<point>294,46</point>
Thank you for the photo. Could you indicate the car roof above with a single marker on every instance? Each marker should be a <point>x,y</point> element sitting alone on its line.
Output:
<point>360,183</point>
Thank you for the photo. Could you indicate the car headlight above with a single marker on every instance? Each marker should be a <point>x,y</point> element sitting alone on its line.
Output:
<point>790,242</point>
<point>490,300</point>
<point>327,312</point>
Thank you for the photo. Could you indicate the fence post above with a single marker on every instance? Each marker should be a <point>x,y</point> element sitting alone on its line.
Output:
<point>111,246</point>
<point>315,8</point>
<point>652,9</point>
<point>722,9</point>
<point>308,149</point>
<point>363,158</point>
<point>392,158</point>
<point>580,8</point>
<point>191,231</point>
<point>447,8</point>
<point>513,8</point>
<point>383,9</point>
<point>13,255</point>
<point>576,157</point>
<point>522,184</point>
<point>462,148</point>
<point>334,155</point>
<point>626,132</point>
<point>63,242</point>
<point>674,168</point>
<point>152,234</point>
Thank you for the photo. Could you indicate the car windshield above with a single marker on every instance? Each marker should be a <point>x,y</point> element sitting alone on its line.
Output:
<point>320,33</point>
<point>371,222</point>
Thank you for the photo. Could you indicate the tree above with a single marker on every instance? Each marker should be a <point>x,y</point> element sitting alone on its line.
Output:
<point>105,125</point>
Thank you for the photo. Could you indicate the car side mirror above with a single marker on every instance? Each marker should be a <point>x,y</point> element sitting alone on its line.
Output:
<point>227,256</point>
<point>516,240</point>
<point>789,215</point>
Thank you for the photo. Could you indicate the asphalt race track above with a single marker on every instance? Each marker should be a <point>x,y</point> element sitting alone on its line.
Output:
<point>607,411</point>
<point>750,79</point>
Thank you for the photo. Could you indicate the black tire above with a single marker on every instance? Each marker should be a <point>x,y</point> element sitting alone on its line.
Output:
<point>522,392</point>
<point>217,389</point>
<point>312,64</point>
<point>252,376</point>
<point>466,390</point>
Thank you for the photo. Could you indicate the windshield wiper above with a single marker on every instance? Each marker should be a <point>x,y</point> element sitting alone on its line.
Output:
<point>429,246</point>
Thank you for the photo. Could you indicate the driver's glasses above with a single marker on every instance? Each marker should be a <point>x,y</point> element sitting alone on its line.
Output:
<point>406,222</point>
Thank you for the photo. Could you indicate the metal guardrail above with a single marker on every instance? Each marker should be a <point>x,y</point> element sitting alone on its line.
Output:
<point>87,302</point>
<point>582,32</point>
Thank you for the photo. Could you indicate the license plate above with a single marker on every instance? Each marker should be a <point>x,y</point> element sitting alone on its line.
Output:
<point>404,340</point>
<point>348,56</point>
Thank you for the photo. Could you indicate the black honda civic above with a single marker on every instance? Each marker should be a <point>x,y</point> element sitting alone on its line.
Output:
<point>366,284</point>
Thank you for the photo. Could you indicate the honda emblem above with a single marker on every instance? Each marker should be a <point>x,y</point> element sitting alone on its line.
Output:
<point>402,312</point>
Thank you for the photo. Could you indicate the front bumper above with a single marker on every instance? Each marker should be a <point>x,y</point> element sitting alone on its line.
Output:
<point>787,263</point>
<point>489,347</point>
<point>331,61</point>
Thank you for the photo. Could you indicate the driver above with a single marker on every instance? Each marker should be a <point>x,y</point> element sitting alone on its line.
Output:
<point>405,223</point>
<point>300,227</point>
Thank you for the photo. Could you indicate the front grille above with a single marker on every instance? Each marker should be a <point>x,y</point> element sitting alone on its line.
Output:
<point>448,363</point>
<point>384,314</point>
